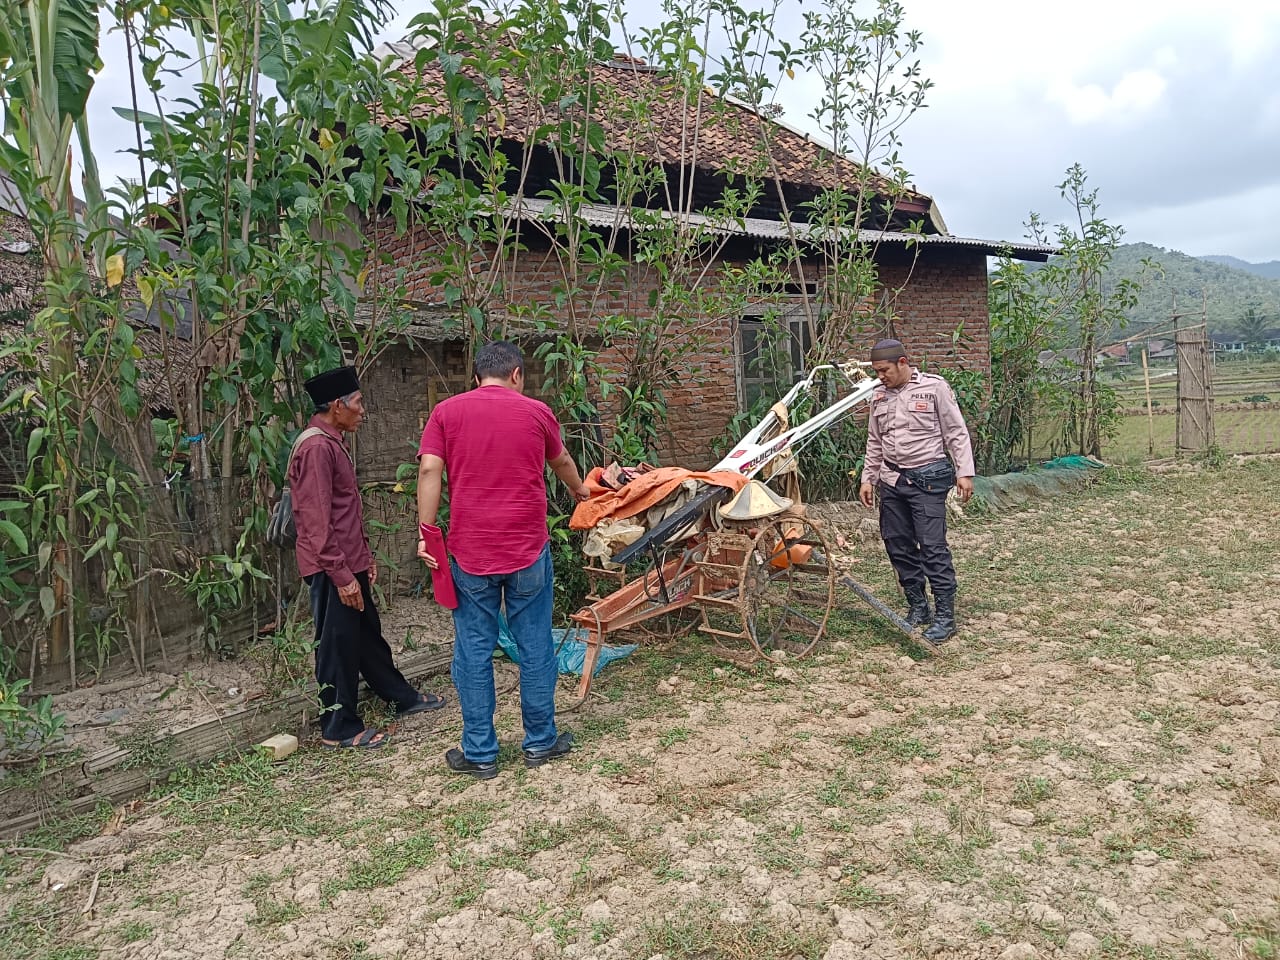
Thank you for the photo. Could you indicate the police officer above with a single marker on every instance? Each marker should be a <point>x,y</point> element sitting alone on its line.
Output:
<point>915,425</point>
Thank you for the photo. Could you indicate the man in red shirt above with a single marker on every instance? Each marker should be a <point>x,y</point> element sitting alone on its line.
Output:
<point>494,443</point>
<point>334,559</point>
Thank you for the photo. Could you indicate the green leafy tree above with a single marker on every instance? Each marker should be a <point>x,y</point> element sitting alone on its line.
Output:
<point>1072,286</point>
<point>1021,330</point>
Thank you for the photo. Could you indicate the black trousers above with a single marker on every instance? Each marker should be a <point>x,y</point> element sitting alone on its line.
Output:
<point>914,526</point>
<point>349,644</point>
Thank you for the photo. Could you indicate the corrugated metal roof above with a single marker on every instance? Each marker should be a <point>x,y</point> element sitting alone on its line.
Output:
<point>625,218</point>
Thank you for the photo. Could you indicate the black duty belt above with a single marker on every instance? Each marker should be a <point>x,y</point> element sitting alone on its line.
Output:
<point>897,469</point>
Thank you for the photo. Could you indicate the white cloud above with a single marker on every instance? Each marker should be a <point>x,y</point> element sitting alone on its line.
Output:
<point>1135,93</point>
<point>1251,36</point>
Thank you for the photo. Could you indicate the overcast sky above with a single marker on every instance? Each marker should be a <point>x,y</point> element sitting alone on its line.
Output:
<point>1173,107</point>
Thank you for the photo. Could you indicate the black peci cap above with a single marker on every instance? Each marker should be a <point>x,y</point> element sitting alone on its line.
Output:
<point>332,384</point>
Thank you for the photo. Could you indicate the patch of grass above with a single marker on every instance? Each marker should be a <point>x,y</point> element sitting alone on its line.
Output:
<point>595,823</point>
<point>467,890</point>
<point>1036,853</point>
<point>57,834</point>
<point>584,879</point>
<point>767,757</point>
<point>780,850</point>
<point>612,768</point>
<point>840,790</point>
<point>589,727</point>
<point>561,926</point>
<point>1260,939</point>
<point>858,894</point>
<point>270,912</point>
<point>1115,947</point>
<point>1158,829</point>
<point>869,814</point>
<point>385,864</point>
<point>1039,747</point>
<point>1256,796</point>
<point>1172,719</point>
<point>697,933</point>
<point>941,857</point>
<point>952,778</point>
<point>971,825</point>
<point>754,807</point>
<point>538,836</point>
<point>467,821</point>
<point>1012,716</point>
<point>958,711</point>
<point>1030,791</point>
<point>135,930</point>
<point>147,747</point>
<point>673,735</point>
<point>36,928</point>
<point>250,795</point>
<point>1103,771</point>
<point>353,949</point>
<point>1005,886</point>
<point>666,870</point>
<point>889,743</point>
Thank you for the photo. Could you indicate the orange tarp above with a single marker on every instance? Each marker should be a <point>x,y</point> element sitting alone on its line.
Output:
<point>641,493</point>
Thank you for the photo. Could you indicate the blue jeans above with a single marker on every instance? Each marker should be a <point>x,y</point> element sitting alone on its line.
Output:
<point>528,597</point>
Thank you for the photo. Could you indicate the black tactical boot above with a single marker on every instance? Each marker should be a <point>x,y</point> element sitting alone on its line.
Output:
<point>944,618</point>
<point>919,614</point>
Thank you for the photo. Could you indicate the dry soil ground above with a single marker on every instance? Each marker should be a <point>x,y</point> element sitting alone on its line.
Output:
<point>1091,770</point>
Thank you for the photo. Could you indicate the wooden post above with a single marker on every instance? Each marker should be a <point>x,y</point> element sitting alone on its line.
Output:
<point>1151,419</point>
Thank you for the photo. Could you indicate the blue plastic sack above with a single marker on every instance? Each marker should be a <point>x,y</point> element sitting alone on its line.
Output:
<point>571,648</point>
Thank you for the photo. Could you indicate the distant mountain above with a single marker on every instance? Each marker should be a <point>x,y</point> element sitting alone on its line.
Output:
<point>1227,291</point>
<point>1270,269</point>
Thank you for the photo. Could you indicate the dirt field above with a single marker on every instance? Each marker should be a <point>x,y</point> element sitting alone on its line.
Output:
<point>1093,769</point>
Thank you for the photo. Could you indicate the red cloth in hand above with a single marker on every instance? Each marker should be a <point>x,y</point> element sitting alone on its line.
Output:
<point>442,575</point>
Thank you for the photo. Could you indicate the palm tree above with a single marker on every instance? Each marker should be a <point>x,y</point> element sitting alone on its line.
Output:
<point>1252,327</point>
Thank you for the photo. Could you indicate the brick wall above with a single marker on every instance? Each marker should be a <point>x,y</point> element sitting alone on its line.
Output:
<point>942,290</point>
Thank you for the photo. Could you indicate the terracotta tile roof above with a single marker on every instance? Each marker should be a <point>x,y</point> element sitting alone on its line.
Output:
<point>728,137</point>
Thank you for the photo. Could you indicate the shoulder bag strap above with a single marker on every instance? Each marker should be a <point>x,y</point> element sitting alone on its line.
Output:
<point>306,434</point>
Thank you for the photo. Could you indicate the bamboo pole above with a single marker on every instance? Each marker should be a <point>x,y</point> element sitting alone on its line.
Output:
<point>1151,419</point>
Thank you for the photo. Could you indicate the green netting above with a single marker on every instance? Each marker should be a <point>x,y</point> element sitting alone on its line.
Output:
<point>1048,479</point>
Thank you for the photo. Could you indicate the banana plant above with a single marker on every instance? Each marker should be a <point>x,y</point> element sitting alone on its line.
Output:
<point>48,60</point>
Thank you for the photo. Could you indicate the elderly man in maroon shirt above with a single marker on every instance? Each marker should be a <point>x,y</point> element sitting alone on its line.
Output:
<point>334,559</point>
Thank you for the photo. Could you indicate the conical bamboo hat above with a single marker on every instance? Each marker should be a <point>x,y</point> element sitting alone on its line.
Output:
<point>755,501</point>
